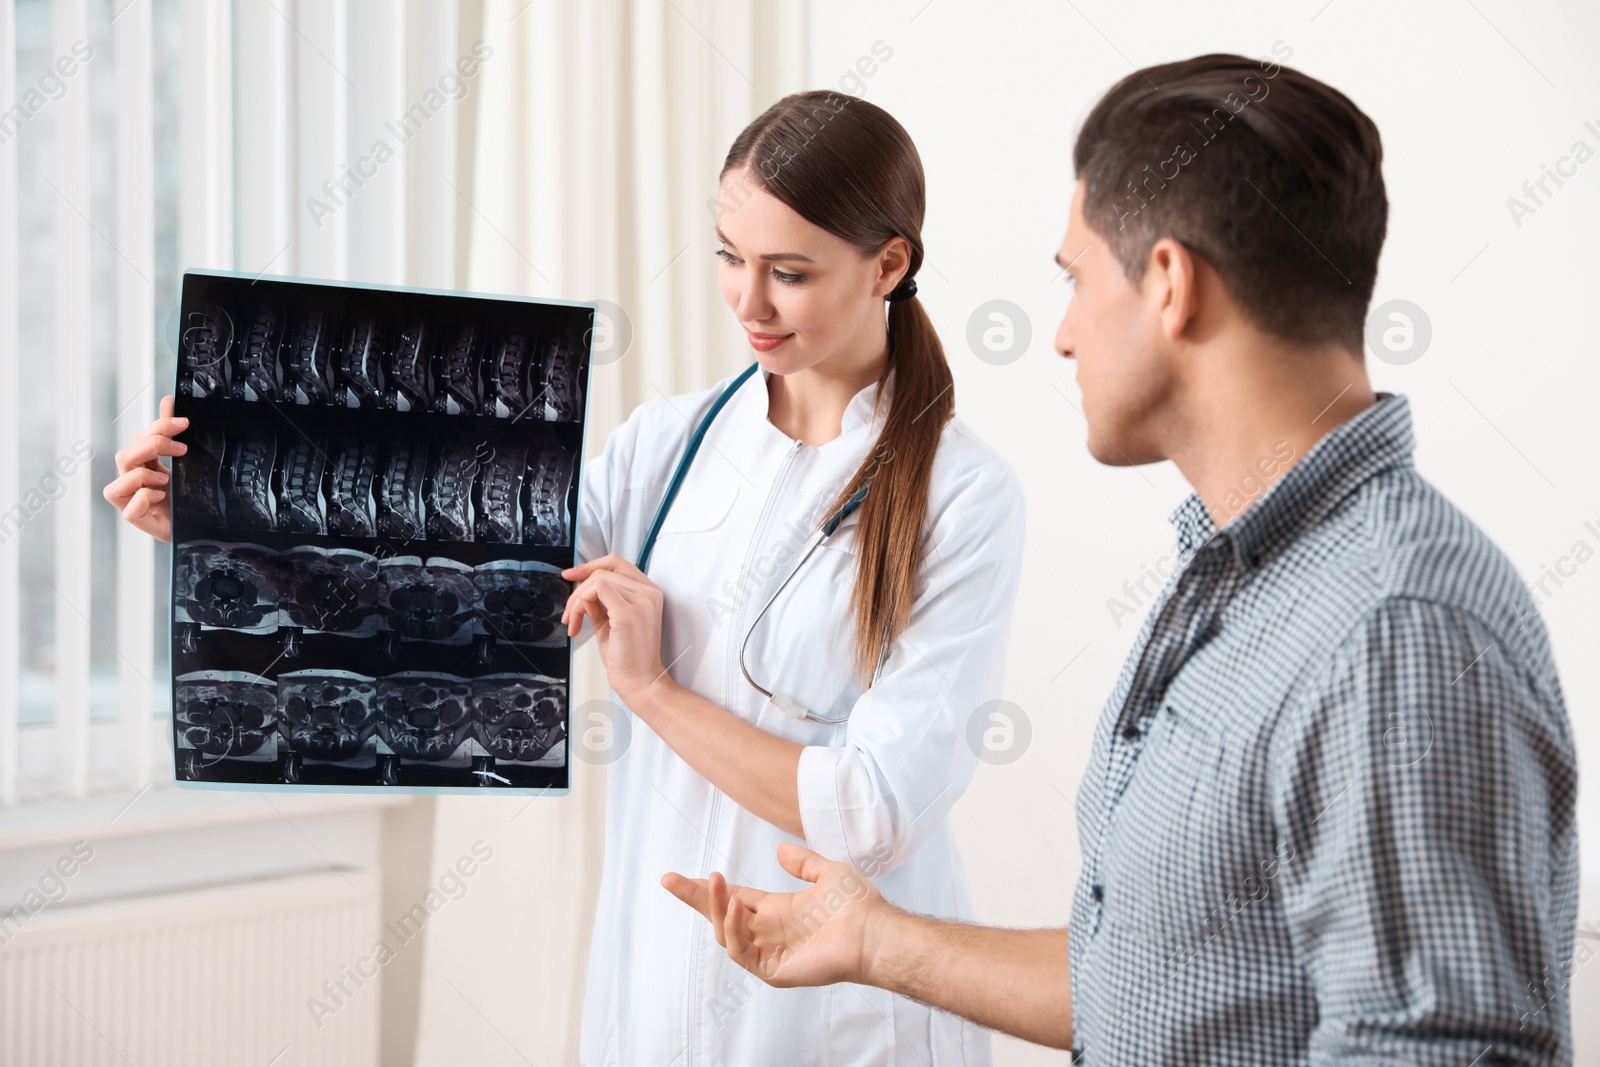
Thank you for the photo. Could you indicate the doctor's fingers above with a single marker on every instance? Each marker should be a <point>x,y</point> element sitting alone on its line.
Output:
<point>577,607</point>
<point>121,491</point>
<point>618,594</point>
<point>143,512</point>
<point>587,590</point>
<point>610,562</point>
<point>141,496</point>
<point>165,425</point>
<point>143,450</point>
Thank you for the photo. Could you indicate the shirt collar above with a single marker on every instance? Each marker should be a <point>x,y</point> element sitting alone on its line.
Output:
<point>858,413</point>
<point>1375,440</point>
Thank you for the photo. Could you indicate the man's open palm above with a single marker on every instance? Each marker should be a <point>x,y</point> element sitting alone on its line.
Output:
<point>815,937</point>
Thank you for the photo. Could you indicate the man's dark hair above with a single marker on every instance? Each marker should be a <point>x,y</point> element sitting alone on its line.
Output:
<point>1273,177</point>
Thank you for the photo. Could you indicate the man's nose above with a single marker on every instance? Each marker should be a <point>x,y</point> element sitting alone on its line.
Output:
<point>1065,341</point>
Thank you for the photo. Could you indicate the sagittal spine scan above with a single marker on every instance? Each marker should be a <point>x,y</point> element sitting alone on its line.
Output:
<point>308,363</point>
<point>259,374</point>
<point>206,338</point>
<point>347,486</point>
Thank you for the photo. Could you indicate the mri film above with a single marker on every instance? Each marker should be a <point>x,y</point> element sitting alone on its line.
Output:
<point>369,528</point>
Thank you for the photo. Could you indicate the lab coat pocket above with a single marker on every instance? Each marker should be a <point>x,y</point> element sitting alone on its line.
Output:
<point>701,504</point>
<point>686,566</point>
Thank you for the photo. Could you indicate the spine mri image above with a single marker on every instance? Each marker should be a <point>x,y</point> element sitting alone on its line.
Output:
<point>369,528</point>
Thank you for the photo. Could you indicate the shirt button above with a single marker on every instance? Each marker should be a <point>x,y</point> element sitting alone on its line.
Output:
<point>1098,892</point>
<point>1130,733</point>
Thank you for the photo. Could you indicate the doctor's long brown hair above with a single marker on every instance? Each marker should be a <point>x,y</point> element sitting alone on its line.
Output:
<point>847,166</point>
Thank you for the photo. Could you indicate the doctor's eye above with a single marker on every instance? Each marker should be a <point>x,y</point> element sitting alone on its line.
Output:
<point>786,278</point>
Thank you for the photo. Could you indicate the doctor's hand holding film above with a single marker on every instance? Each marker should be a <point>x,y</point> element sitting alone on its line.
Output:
<point>141,489</point>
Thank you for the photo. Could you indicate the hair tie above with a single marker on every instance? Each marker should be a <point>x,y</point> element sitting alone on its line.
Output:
<point>904,291</point>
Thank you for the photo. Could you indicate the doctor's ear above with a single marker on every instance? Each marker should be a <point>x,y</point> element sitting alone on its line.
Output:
<point>893,260</point>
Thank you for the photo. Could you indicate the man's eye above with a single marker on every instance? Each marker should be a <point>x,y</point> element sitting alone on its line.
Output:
<point>786,278</point>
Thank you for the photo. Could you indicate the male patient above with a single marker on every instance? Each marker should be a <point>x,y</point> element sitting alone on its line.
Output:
<point>1328,815</point>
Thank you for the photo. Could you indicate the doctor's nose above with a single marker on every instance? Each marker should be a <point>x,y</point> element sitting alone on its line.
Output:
<point>753,306</point>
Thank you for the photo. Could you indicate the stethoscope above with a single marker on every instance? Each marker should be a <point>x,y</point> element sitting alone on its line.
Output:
<point>783,703</point>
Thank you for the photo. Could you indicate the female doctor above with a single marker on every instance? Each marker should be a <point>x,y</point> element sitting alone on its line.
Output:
<point>803,616</point>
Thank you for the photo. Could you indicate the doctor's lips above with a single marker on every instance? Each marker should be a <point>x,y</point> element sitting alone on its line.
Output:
<point>766,342</point>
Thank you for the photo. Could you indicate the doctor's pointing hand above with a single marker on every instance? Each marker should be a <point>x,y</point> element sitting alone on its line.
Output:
<point>624,607</point>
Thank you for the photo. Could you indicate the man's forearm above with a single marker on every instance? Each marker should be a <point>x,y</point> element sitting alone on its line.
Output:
<point>1015,981</point>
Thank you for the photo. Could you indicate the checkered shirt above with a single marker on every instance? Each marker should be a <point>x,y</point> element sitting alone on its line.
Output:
<point>1329,813</point>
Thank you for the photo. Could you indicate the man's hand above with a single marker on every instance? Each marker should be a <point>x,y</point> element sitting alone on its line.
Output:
<point>842,930</point>
<point>818,936</point>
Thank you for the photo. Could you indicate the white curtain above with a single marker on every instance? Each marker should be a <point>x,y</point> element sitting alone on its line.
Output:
<point>598,134</point>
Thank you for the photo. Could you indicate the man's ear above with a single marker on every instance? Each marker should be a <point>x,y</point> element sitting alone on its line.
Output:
<point>1169,281</point>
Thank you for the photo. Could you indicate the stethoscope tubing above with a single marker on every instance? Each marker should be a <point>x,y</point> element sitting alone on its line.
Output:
<point>823,533</point>
<point>684,462</point>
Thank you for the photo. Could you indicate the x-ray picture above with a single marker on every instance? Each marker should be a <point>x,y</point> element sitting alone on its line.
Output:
<point>369,527</point>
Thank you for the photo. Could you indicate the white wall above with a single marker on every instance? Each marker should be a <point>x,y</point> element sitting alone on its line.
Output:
<point>1505,399</point>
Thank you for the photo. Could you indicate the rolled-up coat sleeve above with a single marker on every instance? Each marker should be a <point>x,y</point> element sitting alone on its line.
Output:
<point>907,755</point>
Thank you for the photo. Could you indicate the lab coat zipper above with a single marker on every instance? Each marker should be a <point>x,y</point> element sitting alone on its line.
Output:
<point>727,702</point>
<point>729,680</point>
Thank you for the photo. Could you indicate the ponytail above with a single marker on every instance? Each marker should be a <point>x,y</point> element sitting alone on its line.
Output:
<point>890,535</point>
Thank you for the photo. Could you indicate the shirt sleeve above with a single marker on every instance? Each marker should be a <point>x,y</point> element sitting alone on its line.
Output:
<point>1425,791</point>
<point>907,757</point>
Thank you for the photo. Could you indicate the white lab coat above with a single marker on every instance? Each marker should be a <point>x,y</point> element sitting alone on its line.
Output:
<point>875,791</point>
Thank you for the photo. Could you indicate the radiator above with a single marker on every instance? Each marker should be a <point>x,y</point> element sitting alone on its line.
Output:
<point>227,975</point>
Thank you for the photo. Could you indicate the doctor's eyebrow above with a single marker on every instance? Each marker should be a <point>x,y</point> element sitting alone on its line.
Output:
<point>771,257</point>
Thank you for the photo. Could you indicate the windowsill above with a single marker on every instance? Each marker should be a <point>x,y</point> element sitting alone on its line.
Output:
<point>164,808</point>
